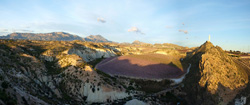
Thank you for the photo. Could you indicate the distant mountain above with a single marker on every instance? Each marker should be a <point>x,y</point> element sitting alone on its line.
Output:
<point>138,42</point>
<point>95,38</point>
<point>125,43</point>
<point>214,76</point>
<point>59,36</point>
<point>43,36</point>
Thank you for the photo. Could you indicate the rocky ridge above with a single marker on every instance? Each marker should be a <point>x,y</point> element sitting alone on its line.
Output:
<point>217,79</point>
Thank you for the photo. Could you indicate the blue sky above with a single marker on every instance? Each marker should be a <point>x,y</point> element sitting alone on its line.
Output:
<point>187,23</point>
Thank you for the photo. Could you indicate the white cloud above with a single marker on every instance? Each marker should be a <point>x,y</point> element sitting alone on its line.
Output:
<point>185,31</point>
<point>4,30</point>
<point>24,30</point>
<point>135,29</point>
<point>101,20</point>
<point>169,27</point>
<point>15,30</point>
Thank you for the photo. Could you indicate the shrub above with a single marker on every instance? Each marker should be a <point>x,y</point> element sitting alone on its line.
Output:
<point>1,77</point>
<point>5,85</point>
<point>7,99</point>
<point>93,90</point>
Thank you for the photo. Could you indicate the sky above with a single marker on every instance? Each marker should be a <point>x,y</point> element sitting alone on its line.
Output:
<point>183,22</point>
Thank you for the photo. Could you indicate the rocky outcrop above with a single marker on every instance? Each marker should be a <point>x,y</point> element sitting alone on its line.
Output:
<point>217,67</point>
<point>68,60</point>
<point>213,76</point>
<point>86,85</point>
<point>48,56</point>
<point>89,54</point>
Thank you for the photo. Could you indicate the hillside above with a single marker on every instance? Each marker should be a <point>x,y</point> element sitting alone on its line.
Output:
<point>61,72</point>
<point>55,72</point>
<point>214,77</point>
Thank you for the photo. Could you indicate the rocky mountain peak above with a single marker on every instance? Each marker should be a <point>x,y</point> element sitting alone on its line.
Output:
<point>138,42</point>
<point>205,47</point>
<point>59,33</point>
<point>96,38</point>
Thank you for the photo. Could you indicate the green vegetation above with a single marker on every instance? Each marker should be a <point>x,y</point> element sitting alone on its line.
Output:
<point>234,55</point>
<point>169,97</point>
<point>65,96</point>
<point>1,77</point>
<point>95,62</point>
<point>25,101</point>
<point>103,74</point>
<point>8,100</point>
<point>5,84</point>
<point>52,68</point>
<point>82,65</point>
<point>150,86</point>
<point>107,78</point>
<point>129,88</point>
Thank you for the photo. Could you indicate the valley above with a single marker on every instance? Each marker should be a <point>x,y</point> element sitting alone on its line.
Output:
<point>89,72</point>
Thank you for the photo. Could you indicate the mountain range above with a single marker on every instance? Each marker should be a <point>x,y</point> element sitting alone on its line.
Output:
<point>59,36</point>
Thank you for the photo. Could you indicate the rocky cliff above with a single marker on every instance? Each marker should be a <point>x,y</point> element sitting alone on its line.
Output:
<point>89,54</point>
